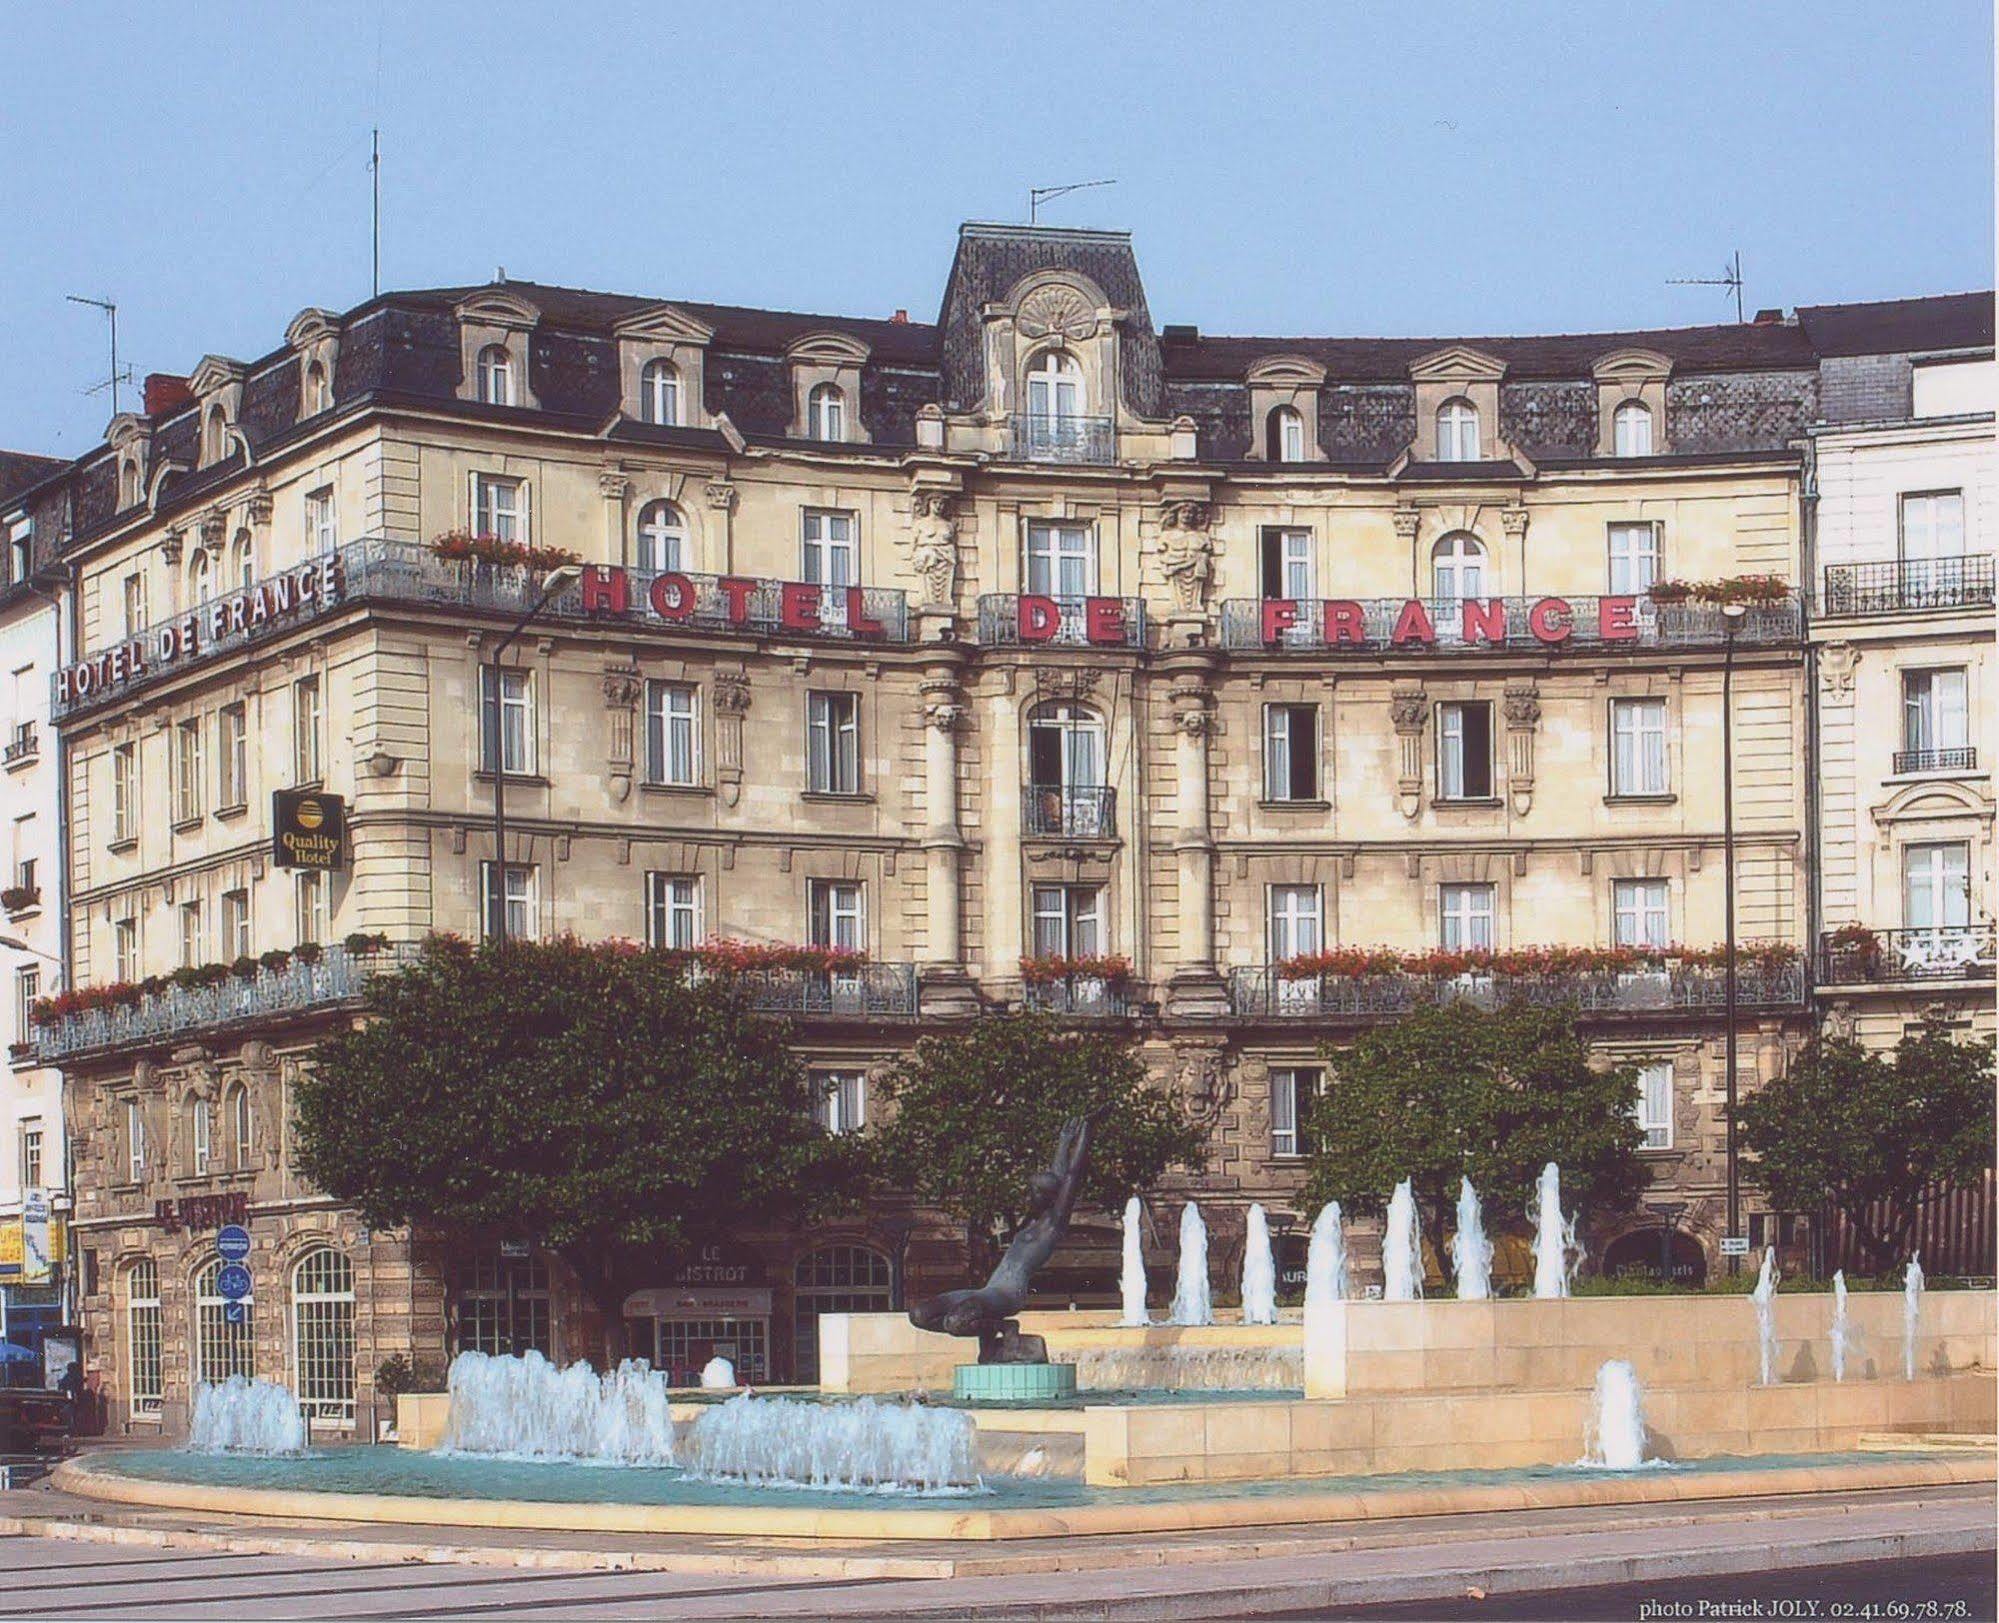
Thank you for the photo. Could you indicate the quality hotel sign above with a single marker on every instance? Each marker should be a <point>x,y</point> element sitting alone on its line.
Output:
<point>308,829</point>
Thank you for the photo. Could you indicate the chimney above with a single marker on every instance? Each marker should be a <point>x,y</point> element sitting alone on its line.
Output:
<point>166,392</point>
<point>900,318</point>
<point>1768,318</point>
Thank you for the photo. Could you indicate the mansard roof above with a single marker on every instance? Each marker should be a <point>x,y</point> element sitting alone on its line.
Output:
<point>1944,321</point>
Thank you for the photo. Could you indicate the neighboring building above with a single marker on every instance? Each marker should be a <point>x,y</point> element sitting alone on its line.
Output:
<point>1037,633</point>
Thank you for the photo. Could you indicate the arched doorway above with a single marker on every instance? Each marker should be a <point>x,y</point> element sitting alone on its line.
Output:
<point>1656,1253</point>
<point>834,1279</point>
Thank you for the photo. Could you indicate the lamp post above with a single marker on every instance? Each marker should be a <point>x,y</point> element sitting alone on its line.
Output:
<point>1731,619</point>
<point>555,581</point>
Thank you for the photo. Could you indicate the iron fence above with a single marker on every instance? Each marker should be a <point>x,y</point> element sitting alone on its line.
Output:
<point>866,992</point>
<point>1367,626</point>
<point>1000,621</point>
<point>1917,583</point>
<point>1062,438</point>
<point>1852,956</point>
<point>1088,997</point>
<point>1087,812</point>
<point>1951,760</point>
<point>1263,993</point>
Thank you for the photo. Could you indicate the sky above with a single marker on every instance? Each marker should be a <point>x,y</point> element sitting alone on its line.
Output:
<point>1443,169</point>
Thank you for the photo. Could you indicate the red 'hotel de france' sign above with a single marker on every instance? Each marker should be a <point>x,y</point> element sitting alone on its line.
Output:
<point>1548,620</point>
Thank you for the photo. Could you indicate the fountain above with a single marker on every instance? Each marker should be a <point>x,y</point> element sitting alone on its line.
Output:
<point>866,1445</point>
<point>1191,1300</point>
<point>527,1408</point>
<point>1131,1279</point>
<point>1259,1271</point>
<point>718,1375</point>
<point>1555,1250</point>
<point>1842,1333</point>
<point>242,1416</point>
<point>1616,1435</point>
<point>1402,1248</point>
<point>1912,1312</point>
<point>1766,1327</point>
<point>1326,1258</point>
<point>1471,1251</point>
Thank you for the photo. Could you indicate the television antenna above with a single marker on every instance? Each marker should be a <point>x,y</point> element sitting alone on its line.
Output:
<point>1037,195</point>
<point>110,309</point>
<point>1730,278</point>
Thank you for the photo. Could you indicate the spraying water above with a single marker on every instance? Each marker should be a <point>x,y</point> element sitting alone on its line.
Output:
<point>1402,1248</point>
<point>1131,1281</point>
<point>1326,1258</point>
<point>1616,1434</point>
<point>865,1445</point>
<point>1912,1312</point>
<point>1259,1271</point>
<point>242,1416</point>
<point>1191,1300</point>
<point>718,1374</point>
<point>1763,1296</point>
<point>528,1408</point>
<point>1842,1336</point>
<point>1555,1248</point>
<point>1471,1251</point>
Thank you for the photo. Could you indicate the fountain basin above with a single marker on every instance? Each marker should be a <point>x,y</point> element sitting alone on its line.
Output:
<point>1013,1383</point>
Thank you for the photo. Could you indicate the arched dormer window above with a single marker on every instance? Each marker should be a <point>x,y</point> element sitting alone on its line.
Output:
<point>214,436</point>
<point>496,375</point>
<point>242,561</point>
<point>1066,756</point>
<point>826,413</point>
<point>1457,567</point>
<point>200,577</point>
<point>1631,428</point>
<point>659,393</point>
<point>131,484</point>
<point>1284,435</point>
<point>318,389</point>
<point>662,537</point>
<point>1457,431</point>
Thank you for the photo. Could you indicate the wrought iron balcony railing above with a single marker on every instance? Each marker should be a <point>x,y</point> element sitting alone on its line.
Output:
<point>1042,438</point>
<point>1088,812</point>
<point>1378,625</point>
<point>1919,583</point>
<point>1087,997</point>
<point>337,976</point>
<point>1262,993</point>
<point>22,743</point>
<point>1854,956</point>
<point>1951,760</point>
<point>866,992</point>
<point>1010,618</point>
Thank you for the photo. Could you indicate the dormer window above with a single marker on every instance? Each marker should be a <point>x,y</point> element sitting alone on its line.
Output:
<point>659,393</point>
<point>496,375</point>
<point>1286,435</point>
<point>1632,429</point>
<point>318,395</point>
<point>1457,431</point>
<point>1054,387</point>
<point>826,413</point>
<point>214,436</point>
<point>662,537</point>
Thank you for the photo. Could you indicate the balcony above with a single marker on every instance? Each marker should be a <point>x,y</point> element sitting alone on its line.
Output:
<point>866,992</point>
<point>337,976</point>
<point>1086,812</point>
<point>1951,760</point>
<point>1369,627</point>
<point>1897,587</point>
<point>1082,997</point>
<point>23,896</point>
<point>1856,956</point>
<point>1064,439</point>
<point>1262,993</point>
<point>1031,619</point>
<point>23,744</point>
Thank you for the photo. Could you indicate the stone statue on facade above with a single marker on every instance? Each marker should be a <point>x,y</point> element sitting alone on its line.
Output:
<point>1187,555</point>
<point>933,546</point>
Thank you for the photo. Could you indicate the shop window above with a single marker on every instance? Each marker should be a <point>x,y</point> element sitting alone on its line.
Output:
<point>221,1349</point>
<point>146,1380</point>
<point>323,1335</point>
<point>834,1279</point>
<point>504,1307</point>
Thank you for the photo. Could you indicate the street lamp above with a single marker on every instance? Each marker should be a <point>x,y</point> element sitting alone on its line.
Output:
<point>555,581</point>
<point>1731,620</point>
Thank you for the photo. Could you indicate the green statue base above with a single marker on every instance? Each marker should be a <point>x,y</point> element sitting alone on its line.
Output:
<point>1013,1383</point>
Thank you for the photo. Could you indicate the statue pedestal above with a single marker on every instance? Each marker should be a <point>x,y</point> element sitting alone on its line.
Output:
<point>1013,1383</point>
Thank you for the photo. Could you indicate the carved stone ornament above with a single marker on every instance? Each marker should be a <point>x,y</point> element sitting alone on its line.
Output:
<point>1407,522</point>
<point>170,546</point>
<point>1073,682</point>
<point>257,510</point>
<point>732,693</point>
<point>722,497</point>
<point>214,526</point>
<point>1187,554</point>
<point>1204,1082</point>
<point>1057,311</point>
<point>1523,707</point>
<point>933,546</point>
<point>1515,521</point>
<point>1410,710</point>
<point>622,688</point>
<point>613,487</point>
<point>1190,708</point>
<point>1839,1020</point>
<point>1838,661</point>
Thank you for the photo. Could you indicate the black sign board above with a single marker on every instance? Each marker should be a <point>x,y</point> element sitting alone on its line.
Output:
<point>723,1265</point>
<point>308,829</point>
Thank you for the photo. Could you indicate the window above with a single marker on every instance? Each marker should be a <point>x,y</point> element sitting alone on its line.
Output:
<point>1457,568</point>
<point>200,577</point>
<point>124,793</point>
<point>496,375</point>
<point>242,1132</point>
<point>673,910</point>
<point>221,1349</point>
<point>232,761</point>
<point>826,413</point>
<point>1467,912</point>
<point>1936,888</point>
<point>662,537</point>
<point>1296,922</point>
<point>323,1335</point>
<point>146,1380</point>
<point>135,1140</point>
<point>1634,558</point>
<point>833,743</point>
<point>1292,1090</point>
<point>322,529</point>
<point>1631,429</point>
<point>201,1135</point>
<point>519,898</point>
<point>1061,560</point>
<point>1933,711</point>
<point>193,938</point>
<point>305,730</point>
<point>1464,751</point>
<point>840,1100</point>
<point>1290,752</point>
<point>1457,431</point>
<point>187,771</point>
<point>1285,435</point>
<point>318,389</point>
<point>311,908</point>
<point>1933,526</point>
<point>1654,1107</point>
<point>1287,564</point>
<point>673,734</point>
<point>31,1153</point>
<point>125,949</point>
<point>835,910</point>
<point>20,550</point>
<point>828,548</point>
<point>1068,921</point>
<point>27,990</point>
<point>500,507</point>
<point>235,924</point>
<point>1638,747</point>
<point>1065,763</point>
<point>1638,913</point>
<point>659,393</point>
<point>242,561</point>
<point>506,721</point>
<point>504,1307</point>
<point>834,1279</point>
<point>214,436</point>
<point>1054,388</point>
<point>135,604</point>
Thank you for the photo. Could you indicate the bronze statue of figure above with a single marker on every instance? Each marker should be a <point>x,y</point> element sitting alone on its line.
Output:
<point>988,1312</point>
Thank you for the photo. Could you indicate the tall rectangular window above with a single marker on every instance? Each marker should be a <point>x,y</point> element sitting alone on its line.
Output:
<point>193,935</point>
<point>203,1135</point>
<point>1464,751</point>
<point>828,556</point>
<point>1467,917</point>
<point>1297,923</point>
<point>673,734</point>
<point>1638,747</point>
<point>232,757</point>
<point>125,949</point>
<point>840,1100</point>
<point>27,992</point>
<point>1286,564</point>
<point>1638,913</point>
<point>833,743</point>
<point>322,528</point>
<point>31,1153</point>
<point>1654,1105</point>
<point>1932,526</point>
<point>306,725</point>
<point>1292,1090</point>
<point>1634,558</point>
<point>187,770</point>
<point>1936,885</point>
<point>135,603</point>
<point>673,910</point>
<point>124,793</point>
<point>517,893</point>
<point>506,721</point>
<point>500,507</point>
<point>1933,710</point>
<point>312,908</point>
<point>836,913</point>
<point>236,924</point>
<point>1061,560</point>
<point>1068,921</point>
<point>135,1140</point>
<point>1291,752</point>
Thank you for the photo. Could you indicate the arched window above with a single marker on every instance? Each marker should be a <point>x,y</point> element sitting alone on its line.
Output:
<point>659,393</point>
<point>1457,567</point>
<point>504,1306</point>
<point>214,436</point>
<point>826,412</point>
<point>496,375</point>
<point>323,1334</point>
<point>221,1349</point>
<point>200,576</point>
<point>242,560</point>
<point>242,1129</point>
<point>1631,429</point>
<point>1285,435</point>
<point>145,1377</point>
<point>1065,755</point>
<point>1054,387</point>
<point>1457,431</point>
<point>201,1136</point>
<point>318,389</point>
<point>129,489</point>
<point>662,537</point>
<point>834,1279</point>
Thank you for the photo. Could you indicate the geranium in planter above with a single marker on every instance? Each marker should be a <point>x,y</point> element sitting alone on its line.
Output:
<point>16,897</point>
<point>1048,969</point>
<point>462,546</point>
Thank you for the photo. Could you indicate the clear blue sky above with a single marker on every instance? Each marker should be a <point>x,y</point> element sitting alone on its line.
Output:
<point>1335,168</point>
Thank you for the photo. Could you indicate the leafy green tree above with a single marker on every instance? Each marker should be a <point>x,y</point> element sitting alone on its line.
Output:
<point>1872,1136</point>
<point>977,1113</point>
<point>593,1097</point>
<point>1454,1091</point>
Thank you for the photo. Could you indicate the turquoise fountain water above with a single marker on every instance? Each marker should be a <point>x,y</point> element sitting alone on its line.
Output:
<point>242,1416</point>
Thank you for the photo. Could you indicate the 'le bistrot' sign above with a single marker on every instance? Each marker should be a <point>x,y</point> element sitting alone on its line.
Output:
<point>308,829</point>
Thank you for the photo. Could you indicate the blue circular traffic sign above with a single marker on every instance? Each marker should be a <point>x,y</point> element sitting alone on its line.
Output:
<point>232,1281</point>
<point>233,1241</point>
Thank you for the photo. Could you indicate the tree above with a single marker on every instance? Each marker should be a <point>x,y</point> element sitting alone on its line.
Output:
<point>978,1112</point>
<point>1871,1136</point>
<point>593,1097</point>
<point>1455,1091</point>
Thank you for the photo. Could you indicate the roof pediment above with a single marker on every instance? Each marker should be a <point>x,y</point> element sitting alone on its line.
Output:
<point>827,348</point>
<point>311,325</point>
<point>1632,366</point>
<point>664,324</point>
<point>216,372</point>
<point>497,307</point>
<point>1457,363</point>
<point>1286,372</point>
<point>124,429</point>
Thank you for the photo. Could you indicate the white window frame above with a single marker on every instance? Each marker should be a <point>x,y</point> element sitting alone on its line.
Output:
<point>1631,429</point>
<point>1938,874</point>
<point>836,913</point>
<point>522,899</point>
<point>673,910</point>
<point>1931,525</point>
<point>673,734</point>
<point>508,721</point>
<point>137,1149</point>
<point>134,600</point>
<point>220,1349</point>
<point>1458,567</point>
<point>495,375</point>
<point>1935,708</point>
<point>31,1152</point>
<point>1055,390</point>
<point>500,507</point>
<point>312,905</point>
<point>1634,557</point>
<point>1641,913</point>
<point>1653,1108</point>
<point>1061,559</point>
<point>1292,1090</point>
<point>243,554</point>
<point>187,769</point>
<point>1296,921</point>
<point>237,935</point>
<point>1640,759</point>
<point>124,793</point>
<point>193,934</point>
<point>659,392</point>
<point>200,577</point>
<point>1068,921</point>
<point>322,522</point>
<point>839,1098</point>
<point>125,948</point>
<point>826,414</point>
<point>232,755</point>
<point>1458,438</point>
<point>1290,434</point>
<point>308,721</point>
<point>1467,916</point>
<point>242,1124</point>
<point>144,1342</point>
<point>1452,761</point>
<point>829,547</point>
<point>660,537</point>
<point>1281,749</point>
<point>323,1380</point>
<point>27,992</point>
<point>832,742</point>
<point>202,1136</point>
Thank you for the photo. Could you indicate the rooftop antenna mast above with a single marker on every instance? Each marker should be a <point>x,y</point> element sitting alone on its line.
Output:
<point>375,169</point>
<point>110,309</point>
<point>1730,278</point>
<point>1037,195</point>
